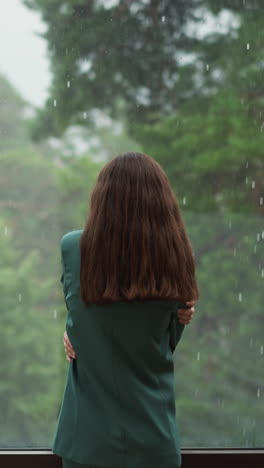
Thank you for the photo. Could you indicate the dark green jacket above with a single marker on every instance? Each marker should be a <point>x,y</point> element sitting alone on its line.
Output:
<point>118,407</point>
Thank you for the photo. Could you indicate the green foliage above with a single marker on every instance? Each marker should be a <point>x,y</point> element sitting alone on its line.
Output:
<point>75,182</point>
<point>37,206</point>
<point>13,132</point>
<point>219,364</point>
<point>112,58</point>
<point>203,122</point>
<point>216,153</point>
<point>29,338</point>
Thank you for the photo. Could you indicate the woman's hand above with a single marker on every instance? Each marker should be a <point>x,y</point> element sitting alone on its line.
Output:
<point>70,353</point>
<point>185,315</point>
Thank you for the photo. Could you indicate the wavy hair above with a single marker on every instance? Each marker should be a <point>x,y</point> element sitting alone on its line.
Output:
<point>134,245</point>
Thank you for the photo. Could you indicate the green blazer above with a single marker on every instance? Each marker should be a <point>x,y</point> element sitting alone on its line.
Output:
<point>118,407</point>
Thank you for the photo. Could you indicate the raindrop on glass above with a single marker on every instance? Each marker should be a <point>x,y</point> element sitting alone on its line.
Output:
<point>262,234</point>
<point>207,66</point>
<point>258,236</point>
<point>247,180</point>
<point>258,392</point>
<point>247,164</point>
<point>253,184</point>
<point>198,355</point>
<point>248,46</point>
<point>261,200</point>
<point>262,273</point>
<point>163,19</point>
<point>84,115</point>
<point>240,297</point>
<point>19,297</point>
<point>68,84</point>
<point>255,248</point>
<point>5,230</point>
<point>55,103</point>
<point>261,349</point>
<point>55,313</point>
<point>184,200</point>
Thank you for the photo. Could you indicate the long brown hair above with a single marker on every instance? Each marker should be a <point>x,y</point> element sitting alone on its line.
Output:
<point>134,245</point>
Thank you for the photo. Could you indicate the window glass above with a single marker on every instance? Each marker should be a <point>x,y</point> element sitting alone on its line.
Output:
<point>81,82</point>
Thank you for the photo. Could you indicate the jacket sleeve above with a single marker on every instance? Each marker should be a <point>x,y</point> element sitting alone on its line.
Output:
<point>62,278</point>
<point>72,325</point>
<point>176,328</point>
<point>62,274</point>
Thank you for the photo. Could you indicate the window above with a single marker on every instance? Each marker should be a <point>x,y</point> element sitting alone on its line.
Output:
<point>181,81</point>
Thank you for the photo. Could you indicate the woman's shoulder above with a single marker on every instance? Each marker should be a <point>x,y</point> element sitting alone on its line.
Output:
<point>70,239</point>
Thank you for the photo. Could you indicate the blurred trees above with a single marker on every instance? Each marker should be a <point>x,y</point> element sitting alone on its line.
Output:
<point>184,80</point>
<point>122,59</point>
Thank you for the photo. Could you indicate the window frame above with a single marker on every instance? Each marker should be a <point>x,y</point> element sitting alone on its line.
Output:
<point>191,458</point>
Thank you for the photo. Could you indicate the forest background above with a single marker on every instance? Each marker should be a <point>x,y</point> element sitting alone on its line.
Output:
<point>151,76</point>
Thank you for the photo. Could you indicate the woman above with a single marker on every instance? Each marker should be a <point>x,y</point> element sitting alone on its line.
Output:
<point>127,278</point>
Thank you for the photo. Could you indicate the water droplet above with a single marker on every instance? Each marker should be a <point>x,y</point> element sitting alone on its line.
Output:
<point>207,66</point>
<point>258,236</point>
<point>55,103</point>
<point>5,230</point>
<point>253,184</point>
<point>247,180</point>
<point>248,46</point>
<point>84,115</point>
<point>251,342</point>
<point>261,350</point>
<point>258,392</point>
<point>240,297</point>
<point>255,248</point>
<point>163,19</point>
<point>262,234</point>
<point>55,313</point>
<point>19,297</point>
<point>184,200</point>
<point>262,273</point>
<point>198,356</point>
<point>68,84</point>
<point>261,200</point>
<point>247,164</point>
